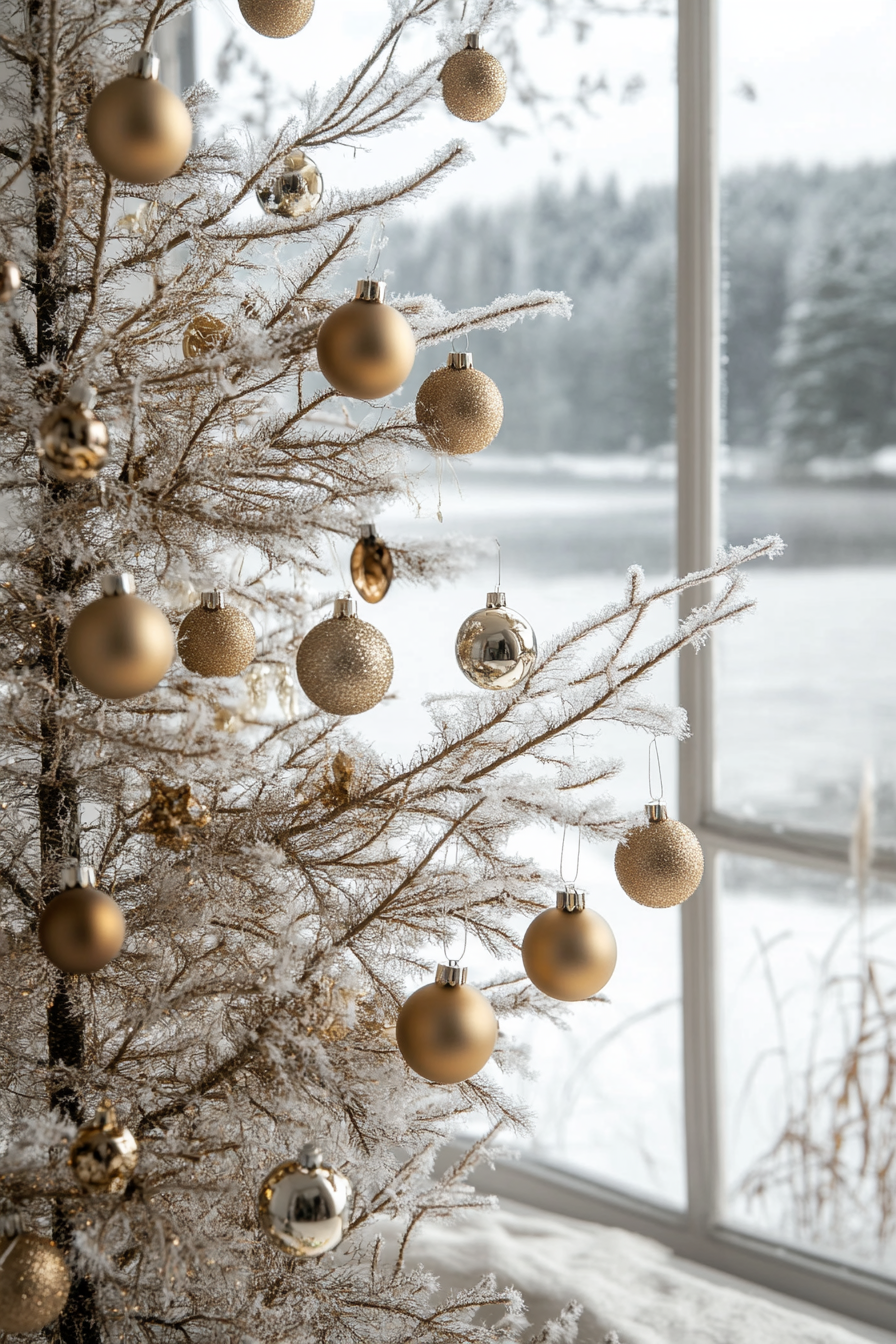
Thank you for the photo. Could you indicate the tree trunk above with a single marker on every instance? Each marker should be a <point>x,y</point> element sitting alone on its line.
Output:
<point>57,791</point>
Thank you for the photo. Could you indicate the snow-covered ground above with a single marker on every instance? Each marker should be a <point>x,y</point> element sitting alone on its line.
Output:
<point>806,694</point>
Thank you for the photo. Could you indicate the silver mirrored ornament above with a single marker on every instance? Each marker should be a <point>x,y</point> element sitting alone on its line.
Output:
<point>104,1154</point>
<point>304,1207</point>
<point>496,647</point>
<point>295,191</point>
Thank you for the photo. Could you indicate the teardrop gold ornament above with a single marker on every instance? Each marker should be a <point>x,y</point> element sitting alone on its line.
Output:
<point>371,565</point>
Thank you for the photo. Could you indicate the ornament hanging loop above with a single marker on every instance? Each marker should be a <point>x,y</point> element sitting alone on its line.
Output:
<point>653,752</point>
<point>455,961</point>
<point>498,544</point>
<point>569,882</point>
<point>456,338</point>
<point>375,251</point>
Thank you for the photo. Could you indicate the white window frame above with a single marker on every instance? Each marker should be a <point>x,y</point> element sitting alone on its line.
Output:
<point>700,1233</point>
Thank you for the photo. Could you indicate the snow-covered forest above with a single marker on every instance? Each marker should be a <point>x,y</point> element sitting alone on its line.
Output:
<point>810,295</point>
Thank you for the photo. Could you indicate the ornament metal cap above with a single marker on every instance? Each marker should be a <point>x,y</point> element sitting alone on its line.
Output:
<point>373,291</point>
<point>212,599</point>
<point>495,600</point>
<point>311,1156</point>
<point>105,1117</point>
<point>452,974</point>
<point>460,359</point>
<point>570,900</point>
<point>12,1225</point>
<point>368,531</point>
<point>657,812</point>
<point>472,41</point>
<point>144,64</point>
<point>344,606</point>
<point>118,584</point>
<point>74,873</point>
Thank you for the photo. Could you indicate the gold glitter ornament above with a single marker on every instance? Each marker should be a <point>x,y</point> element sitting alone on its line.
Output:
<point>459,408</point>
<point>474,84</point>
<point>344,664</point>
<point>172,815</point>
<point>660,864</point>
<point>446,1031</point>
<point>104,1154</point>
<point>204,336</point>
<point>277,18</point>
<point>73,443</point>
<point>304,1207</point>
<point>81,929</point>
<point>119,646</point>
<point>365,348</point>
<point>137,129</point>
<point>10,279</point>
<point>371,566</point>
<point>34,1279</point>
<point>216,640</point>
<point>295,191</point>
<point>496,647</point>
<point>569,953</point>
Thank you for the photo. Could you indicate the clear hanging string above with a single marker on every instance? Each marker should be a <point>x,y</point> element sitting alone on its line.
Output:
<point>456,338</point>
<point>653,753</point>
<point>498,544</point>
<point>375,251</point>
<point>448,957</point>
<point>570,881</point>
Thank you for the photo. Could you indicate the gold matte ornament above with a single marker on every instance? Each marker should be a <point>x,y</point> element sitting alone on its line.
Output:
<point>459,408</point>
<point>371,566</point>
<point>660,864</point>
<point>474,84</point>
<point>216,640</point>
<point>205,335</point>
<point>570,952</point>
<point>81,929</point>
<point>137,129</point>
<point>277,18</point>
<point>365,348</point>
<point>344,665</point>
<point>104,1154</point>
<point>119,646</point>
<point>34,1283</point>
<point>74,443</point>
<point>447,1031</point>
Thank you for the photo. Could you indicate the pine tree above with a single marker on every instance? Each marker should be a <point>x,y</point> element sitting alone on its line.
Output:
<point>277,913</point>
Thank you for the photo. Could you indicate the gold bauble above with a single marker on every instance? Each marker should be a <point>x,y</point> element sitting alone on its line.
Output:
<point>119,646</point>
<point>104,1154</point>
<point>372,568</point>
<point>10,279</point>
<point>366,349</point>
<point>34,1283</point>
<point>204,336</point>
<point>305,1207</point>
<point>137,129</point>
<point>344,665</point>
<point>216,640</point>
<point>277,18</point>
<point>447,1031</point>
<point>660,864</point>
<point>74,443</point>
<point>496,647</point>
<point>81,929</point>
<point>474,84</point>
<point>459,408</point>
<point>569,953</point>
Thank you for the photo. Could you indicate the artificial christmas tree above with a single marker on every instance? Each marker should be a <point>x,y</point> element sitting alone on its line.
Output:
<point>274,931</point>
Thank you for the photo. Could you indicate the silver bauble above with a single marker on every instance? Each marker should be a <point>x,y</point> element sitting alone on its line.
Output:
<point>496,647</point>
<point>295,191</point>
<point>304,1207</point>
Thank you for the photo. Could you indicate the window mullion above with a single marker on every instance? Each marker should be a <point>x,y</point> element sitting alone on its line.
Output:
<point>697,413</point>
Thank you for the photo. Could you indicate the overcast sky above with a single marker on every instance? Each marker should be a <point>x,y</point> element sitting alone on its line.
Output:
<point>806,80</point>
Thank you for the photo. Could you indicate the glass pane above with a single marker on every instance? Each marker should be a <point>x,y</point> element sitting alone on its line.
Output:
<point>808,1057</point>
<point>578,485</point>
<point>806,691</point>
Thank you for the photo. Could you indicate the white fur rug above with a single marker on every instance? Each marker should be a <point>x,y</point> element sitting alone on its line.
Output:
<point>624,1282</point>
